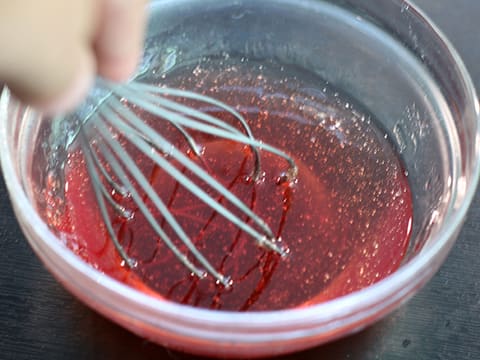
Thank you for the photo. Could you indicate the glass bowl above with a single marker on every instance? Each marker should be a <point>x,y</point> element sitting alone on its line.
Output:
<point>389,57</point>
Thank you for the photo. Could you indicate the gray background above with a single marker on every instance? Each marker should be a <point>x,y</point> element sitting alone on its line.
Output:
<point>40,320</point>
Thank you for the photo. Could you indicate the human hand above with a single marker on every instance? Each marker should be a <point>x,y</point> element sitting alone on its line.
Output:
<point>51,50</point>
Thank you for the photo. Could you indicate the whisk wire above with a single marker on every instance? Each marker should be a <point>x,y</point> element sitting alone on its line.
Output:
<point>148,91</point>
<point>168,109</point>
<point>176,154</point>
<point>222,129</point>
<point>159,205</point>
<point>109,164</point>
<point>100,196</point>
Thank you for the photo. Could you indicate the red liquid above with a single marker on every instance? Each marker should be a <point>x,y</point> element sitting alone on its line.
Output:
<point>346,220</point>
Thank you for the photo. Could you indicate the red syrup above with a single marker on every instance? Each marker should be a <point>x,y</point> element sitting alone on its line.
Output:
<point>346,220</point>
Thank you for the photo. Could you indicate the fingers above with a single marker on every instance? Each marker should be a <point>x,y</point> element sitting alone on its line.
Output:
<point>53,79</point>
<point>47,60</point>
<point>55,93</point>
<point>60,93</point>
<point>51,50</point>
<point>119,41</point>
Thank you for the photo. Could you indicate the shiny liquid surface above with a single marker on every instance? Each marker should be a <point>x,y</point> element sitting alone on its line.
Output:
<point>345,220</point>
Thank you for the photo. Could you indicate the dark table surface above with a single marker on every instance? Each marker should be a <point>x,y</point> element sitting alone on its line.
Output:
<point>40,320</point>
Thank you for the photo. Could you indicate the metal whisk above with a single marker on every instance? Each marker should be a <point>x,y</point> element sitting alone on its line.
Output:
<point>114,171</point>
